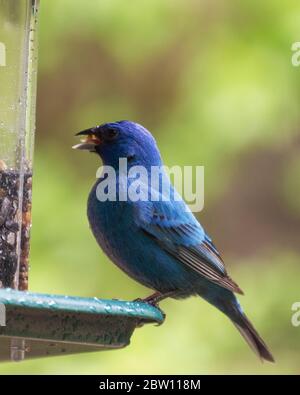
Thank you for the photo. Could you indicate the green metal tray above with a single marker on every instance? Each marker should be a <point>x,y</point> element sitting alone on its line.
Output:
<point>39,325</point>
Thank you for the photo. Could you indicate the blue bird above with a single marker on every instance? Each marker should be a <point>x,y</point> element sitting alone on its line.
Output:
<point>158,242</point>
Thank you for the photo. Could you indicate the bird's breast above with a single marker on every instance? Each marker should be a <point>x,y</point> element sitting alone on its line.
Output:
<point>109,221</point>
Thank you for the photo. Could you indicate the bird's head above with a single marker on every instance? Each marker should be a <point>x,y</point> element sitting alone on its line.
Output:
<point>122,139</point>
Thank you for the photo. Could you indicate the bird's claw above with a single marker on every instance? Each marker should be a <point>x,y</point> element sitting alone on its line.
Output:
<point>154,303</point>
<point>163,314</point>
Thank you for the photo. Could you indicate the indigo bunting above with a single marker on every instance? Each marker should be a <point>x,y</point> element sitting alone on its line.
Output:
<point>156,241</point>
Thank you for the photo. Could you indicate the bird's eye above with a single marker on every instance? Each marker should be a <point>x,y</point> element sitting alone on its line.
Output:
<point>111,134</point>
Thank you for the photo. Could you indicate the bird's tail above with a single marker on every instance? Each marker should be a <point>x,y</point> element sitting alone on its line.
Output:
<point>230,306</point>
<point>252,337</point>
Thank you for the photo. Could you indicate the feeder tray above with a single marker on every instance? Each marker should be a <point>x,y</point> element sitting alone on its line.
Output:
<point>39,325</point>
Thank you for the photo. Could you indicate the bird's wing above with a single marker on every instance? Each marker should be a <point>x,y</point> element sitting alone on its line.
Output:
<point>173,226</point>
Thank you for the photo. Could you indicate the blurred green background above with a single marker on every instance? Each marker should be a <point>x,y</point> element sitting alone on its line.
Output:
<point>213,81</point>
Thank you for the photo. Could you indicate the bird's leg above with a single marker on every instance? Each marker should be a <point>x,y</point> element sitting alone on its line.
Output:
<point>157,297</point>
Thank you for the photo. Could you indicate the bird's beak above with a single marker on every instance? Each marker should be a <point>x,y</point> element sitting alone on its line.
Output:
<point>89,142</point>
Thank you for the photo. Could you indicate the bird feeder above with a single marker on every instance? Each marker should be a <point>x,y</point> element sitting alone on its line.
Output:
<point>35,325</point>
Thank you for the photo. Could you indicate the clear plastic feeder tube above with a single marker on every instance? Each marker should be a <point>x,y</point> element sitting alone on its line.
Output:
<point>18,56</point>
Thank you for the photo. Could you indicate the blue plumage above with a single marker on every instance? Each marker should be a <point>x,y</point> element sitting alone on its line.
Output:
<point>159,243</point>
